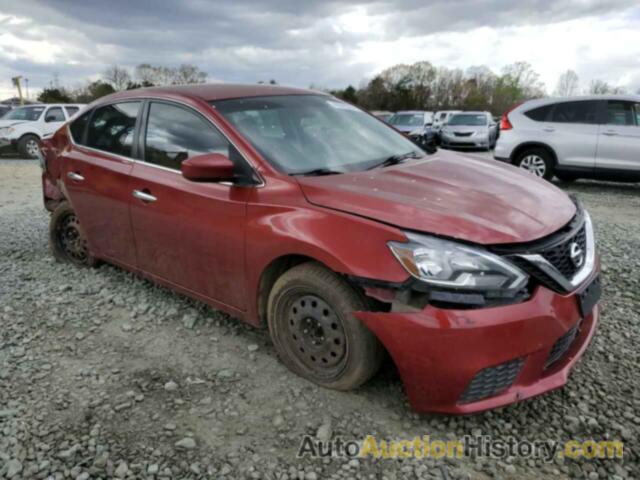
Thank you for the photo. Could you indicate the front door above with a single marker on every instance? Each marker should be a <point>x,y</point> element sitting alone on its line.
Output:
<point>619,138</point>
<point>97,179</point>
<point>190,234</point>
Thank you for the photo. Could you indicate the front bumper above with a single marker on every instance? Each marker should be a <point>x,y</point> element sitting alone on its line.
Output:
<point>438,352</point>
<point>464,142</point>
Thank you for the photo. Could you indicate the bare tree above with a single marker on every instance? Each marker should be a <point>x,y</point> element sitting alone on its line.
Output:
<point>148,74</point>
<point>567,84</point>
<point>118,77</point>
<point>186,74</point>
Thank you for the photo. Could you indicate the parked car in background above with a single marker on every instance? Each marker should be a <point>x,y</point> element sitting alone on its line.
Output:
<point>441,117</point>
<point>22,129</point>
<point>294,210</point>
<point>417,125</point>
<point>469,130</point>
<point>577,137</point>
<point>383,115</point>
<point>411,121</point>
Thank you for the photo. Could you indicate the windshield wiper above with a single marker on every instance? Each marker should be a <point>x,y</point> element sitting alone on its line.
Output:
<point>396,159</point>
<point>316,172</point>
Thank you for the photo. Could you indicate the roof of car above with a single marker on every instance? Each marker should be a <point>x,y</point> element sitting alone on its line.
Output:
<point>550,100</point>
<point>216,91</point>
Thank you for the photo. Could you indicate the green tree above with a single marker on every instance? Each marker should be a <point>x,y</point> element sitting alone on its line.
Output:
<point>54,95</point>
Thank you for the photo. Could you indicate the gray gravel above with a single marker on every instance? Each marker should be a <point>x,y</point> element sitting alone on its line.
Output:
<point>104,375</point>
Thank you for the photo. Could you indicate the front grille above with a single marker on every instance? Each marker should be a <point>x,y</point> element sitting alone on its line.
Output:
<point>560,255</point>
<point>462,134</point>
<point>562,345</point>
<point>555,249</point>
<point>491,381</point>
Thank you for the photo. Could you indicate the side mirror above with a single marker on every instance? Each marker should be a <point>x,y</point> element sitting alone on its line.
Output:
<point>211,167</point>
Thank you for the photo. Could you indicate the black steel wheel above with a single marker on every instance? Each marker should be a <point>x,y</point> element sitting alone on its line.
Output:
<point>315,333</point>
<point>67,238</point>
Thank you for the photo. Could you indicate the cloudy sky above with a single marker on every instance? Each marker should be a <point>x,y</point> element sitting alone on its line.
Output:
<point>325,43</point>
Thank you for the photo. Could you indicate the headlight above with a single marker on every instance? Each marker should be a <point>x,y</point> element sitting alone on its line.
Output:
<point>451,265</point>
<point>6,130</point>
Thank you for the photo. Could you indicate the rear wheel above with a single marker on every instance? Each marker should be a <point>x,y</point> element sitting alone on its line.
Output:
<point>28,146</point>
<point>67,239</point>
<point>312,325</point>
<point>536,161</point>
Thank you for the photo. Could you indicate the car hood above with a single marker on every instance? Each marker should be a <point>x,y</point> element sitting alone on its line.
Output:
<point>10,123</point>
<point>447,194</point>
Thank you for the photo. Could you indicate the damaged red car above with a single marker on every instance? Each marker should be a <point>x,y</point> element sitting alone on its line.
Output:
<point>293,209</point>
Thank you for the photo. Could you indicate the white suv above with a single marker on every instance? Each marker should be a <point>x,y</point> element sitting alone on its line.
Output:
<point>22,128</point>
<point>578,137</point>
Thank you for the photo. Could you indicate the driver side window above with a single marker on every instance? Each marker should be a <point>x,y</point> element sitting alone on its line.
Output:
<point>175,134</point>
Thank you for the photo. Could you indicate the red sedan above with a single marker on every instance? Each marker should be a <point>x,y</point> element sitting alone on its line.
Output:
<point>292,208</point>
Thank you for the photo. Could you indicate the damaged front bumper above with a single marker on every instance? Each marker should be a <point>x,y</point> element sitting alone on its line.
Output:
<point>468,360</point>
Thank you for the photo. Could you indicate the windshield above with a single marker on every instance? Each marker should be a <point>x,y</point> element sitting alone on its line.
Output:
<point>303,133</point>
<point>24,113</point>
<point>475,119</point>
<point>408,119</point>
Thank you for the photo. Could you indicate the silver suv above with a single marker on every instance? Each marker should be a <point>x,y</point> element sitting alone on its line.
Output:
<point>578,137</point>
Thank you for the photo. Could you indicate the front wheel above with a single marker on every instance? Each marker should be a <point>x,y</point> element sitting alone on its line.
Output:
<point>315,333</point>
<point>28,146</point>
<point>536,161</point>
<point>67,239</point>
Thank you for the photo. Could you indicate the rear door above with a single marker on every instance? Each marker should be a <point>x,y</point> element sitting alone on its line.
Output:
<point>53,120</point>
<point>190,234</point>
<point>572,131</point>
<point>619,139</point>
<point>96,176</point>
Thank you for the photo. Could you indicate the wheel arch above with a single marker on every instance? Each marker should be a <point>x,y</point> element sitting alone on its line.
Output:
<point>530,145</point>
<point>29,132</point>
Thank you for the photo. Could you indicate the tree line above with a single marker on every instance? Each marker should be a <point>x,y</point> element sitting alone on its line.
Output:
<point>418,86</point>
<point>423,86</point>
<point>116,78</point>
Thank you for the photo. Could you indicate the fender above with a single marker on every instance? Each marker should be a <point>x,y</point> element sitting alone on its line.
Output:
<point>345,243</point>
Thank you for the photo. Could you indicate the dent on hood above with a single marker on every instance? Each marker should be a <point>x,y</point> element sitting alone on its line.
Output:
<point>480,201</point>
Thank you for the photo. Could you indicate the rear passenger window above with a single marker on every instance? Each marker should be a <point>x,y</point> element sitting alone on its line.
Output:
<point>175,134</point>
<point>71,111</point>
<point>78,127</point>
<point>575,112</point>
<point>111,128</point>
<point>540,114</point>
<point>622,113</point>
<point>54,114</point>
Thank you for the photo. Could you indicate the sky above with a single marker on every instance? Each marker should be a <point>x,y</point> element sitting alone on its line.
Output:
<point>329,44</point>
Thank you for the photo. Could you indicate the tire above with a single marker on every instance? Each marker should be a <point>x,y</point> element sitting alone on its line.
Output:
<point>537,161</point>
<point>28,145</point>
<point>311,322</point>
<point>66,238</point>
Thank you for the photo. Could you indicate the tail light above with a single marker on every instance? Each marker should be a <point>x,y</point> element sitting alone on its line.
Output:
<point>505,124</point>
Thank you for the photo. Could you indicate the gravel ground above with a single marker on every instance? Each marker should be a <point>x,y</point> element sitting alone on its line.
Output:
<point>104,375</point>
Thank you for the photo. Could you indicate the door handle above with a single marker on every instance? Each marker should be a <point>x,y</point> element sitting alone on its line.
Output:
<point>610,133</point>
<point>145,197</point>
<point>76,177</point>
<point>548,129</point>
